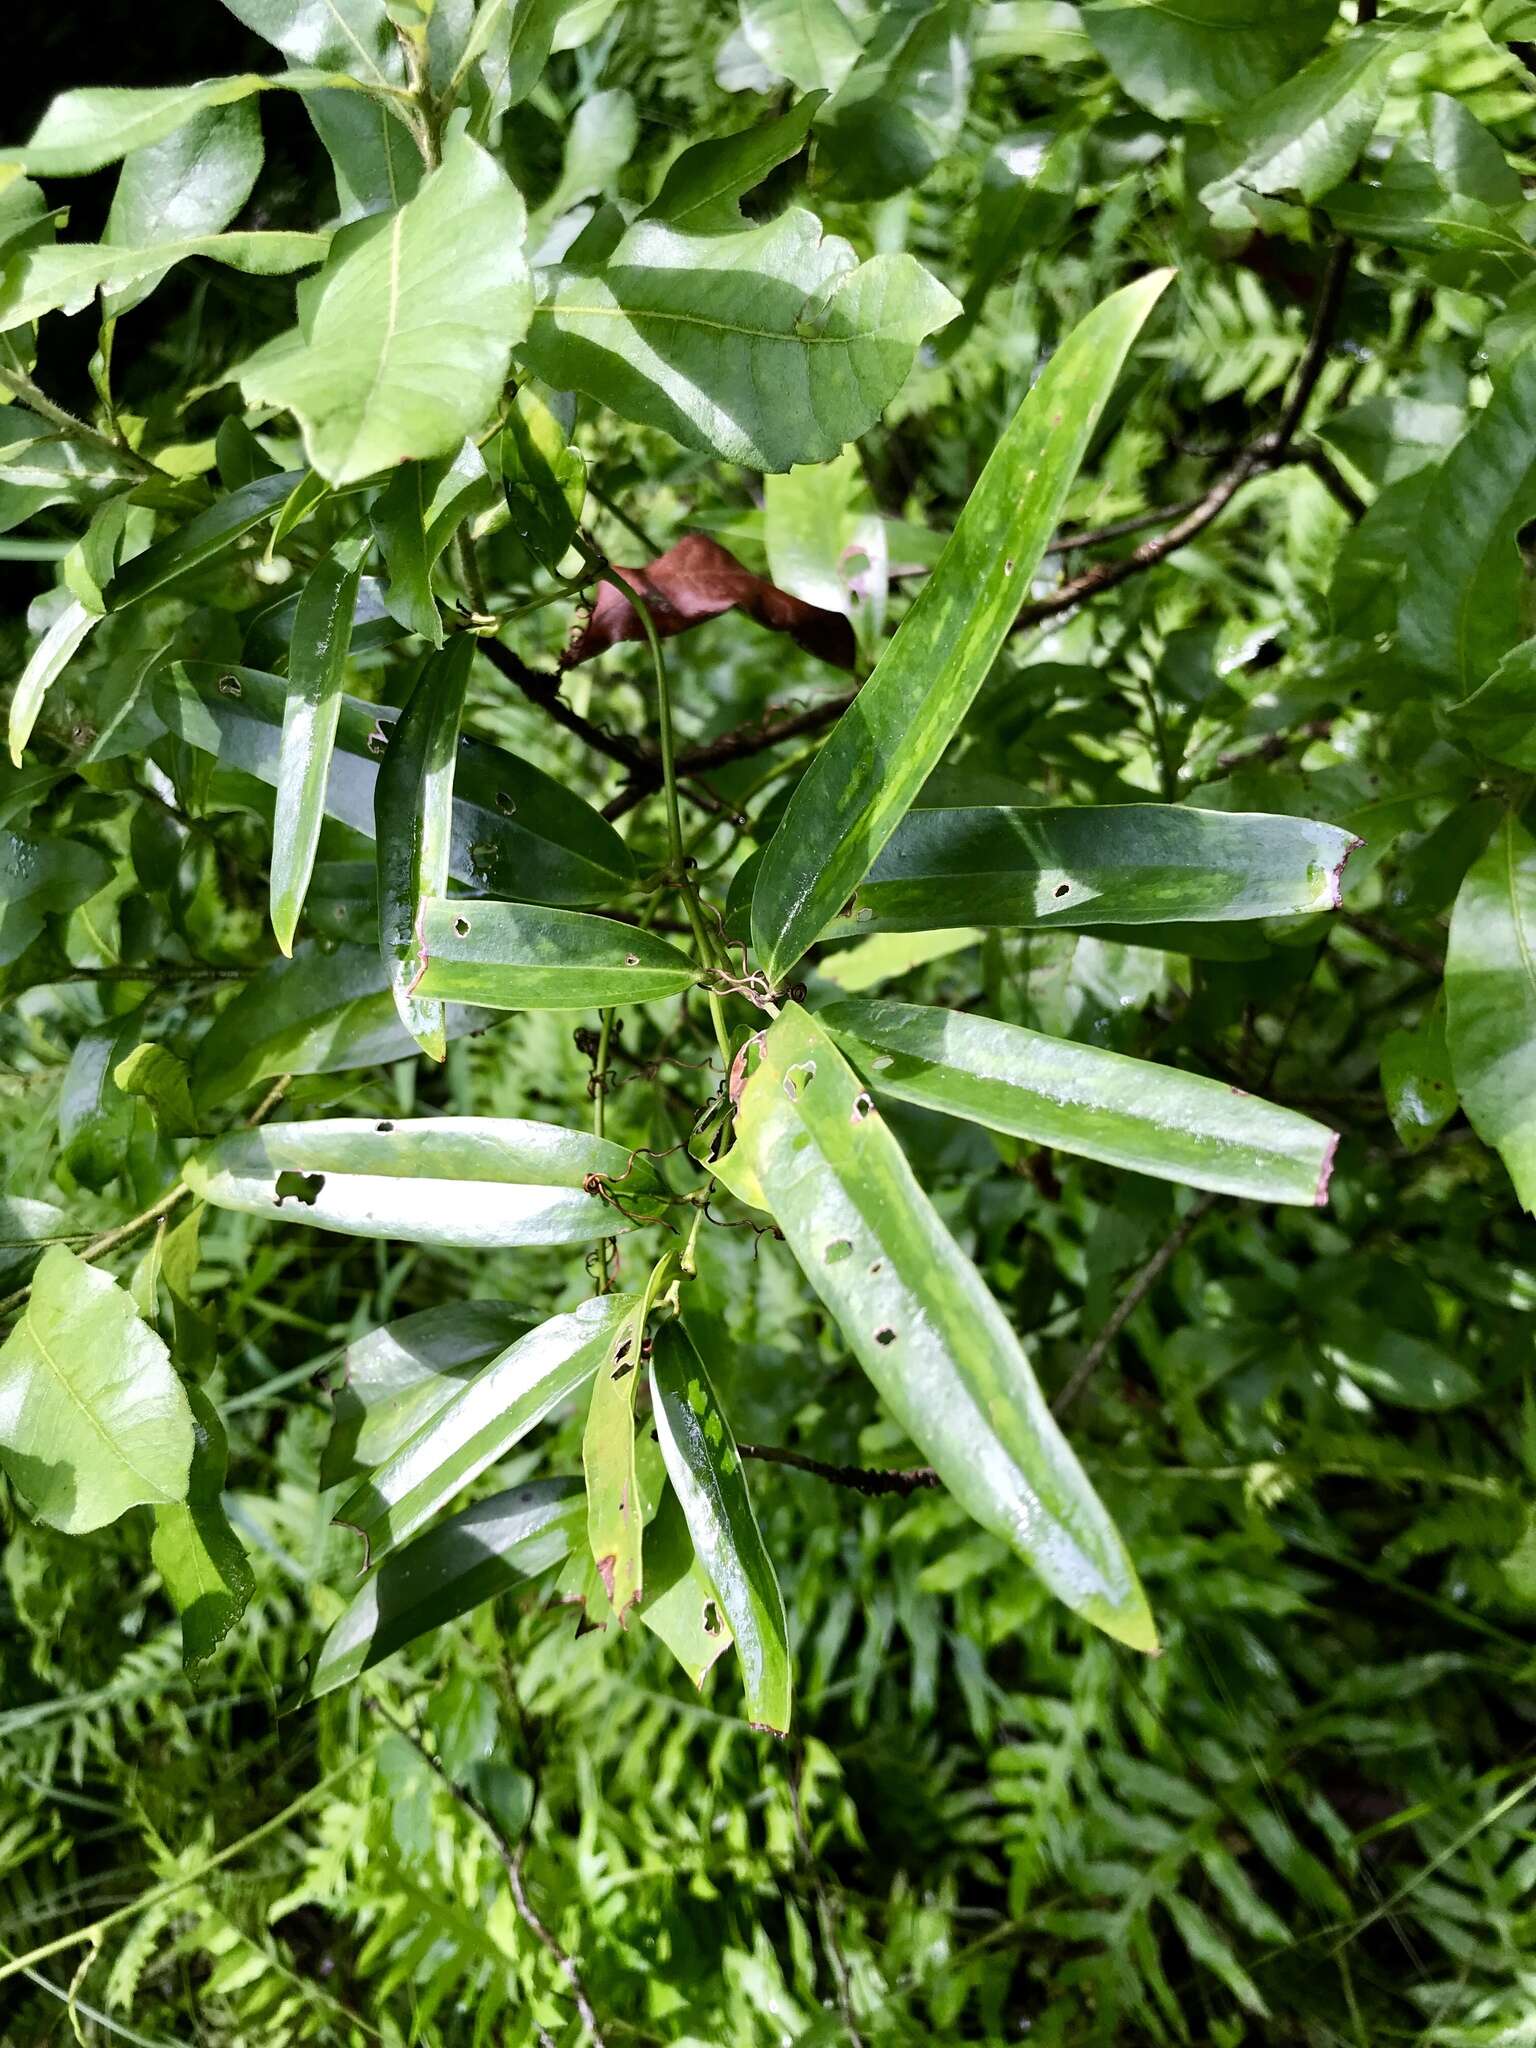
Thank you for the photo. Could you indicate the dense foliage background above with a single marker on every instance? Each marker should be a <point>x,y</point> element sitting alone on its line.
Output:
<point>1304,589</point>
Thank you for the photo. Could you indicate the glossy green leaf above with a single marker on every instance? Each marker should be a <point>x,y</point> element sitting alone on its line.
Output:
<point>96,1119</point>
<point>85,130</point>
<point>464,1180</point>
<point>615,1508</point>
<point>1400,1369</point>
<point>882,750</point>
<point>93,1420</point>
<point>202,1561</point>
<point>413,829</point>
<point>705,184</point>
<point>202,539</point>
<point>154,1074</point>
<point>1499,718</point>
<point>27,1228</point>
<point>902,107</point>
<point>1079,1098</point>
<point>706,1474</point>
<point>1196,59</point>
<point>680,1608</point>
<point>482,1420</point>
<point>317,666</point>
<point>42,878</point>
<point>500,1545</point>
<point>813,1150</point>
<point>543,477</point>
<point>408,334</point>
<point>47,662</point>
<point>66,277</point>
<point>520,956</point>
<point>515,829</point>
<point>812,43</point>
<point>818,343</point>
<point>1417,1082</point>
<point>191,182</point>
<point>399,1376</point>
<point>1490,994</point>
<point>414,519</point>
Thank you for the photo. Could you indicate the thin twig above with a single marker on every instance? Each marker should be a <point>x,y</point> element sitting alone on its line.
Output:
<point>35,399</point>
<point>857,1478</point>
<point>1141,1286</point>
<point>544,690</point>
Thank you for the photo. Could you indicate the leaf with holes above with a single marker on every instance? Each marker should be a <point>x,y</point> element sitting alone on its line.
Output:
<point>475,1181</point>
<point>615,1510</point>
<point>518,956</point>
<point>481,1421</point>
<point>680,1608</point>
<point>812,1149</point>
<point>705,1469</point>
<point>888,741</point>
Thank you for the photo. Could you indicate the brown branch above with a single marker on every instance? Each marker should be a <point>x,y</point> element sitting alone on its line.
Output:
<point>1141,1286</point>
<point>544,690</point>
<point>857,1478</point>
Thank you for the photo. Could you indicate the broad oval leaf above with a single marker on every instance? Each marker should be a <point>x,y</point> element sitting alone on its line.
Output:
<point>1490,993</point>
<point>705,1469</point>
<point>1082,1099</point>
<point>768,346</point>
<point>93,1420</point>
<point>1195,59</point>
<point>406,341</point>
<point>195,1550</point>
<point>515,829</point>
<point>464,1180</point>
<point>886,744</point>
<point>812,1149</point>
<point>398,1377</point>
<point>483,1419</point>
<point>519,956</point>
<point>191,182</point>
<point>496,1546</point>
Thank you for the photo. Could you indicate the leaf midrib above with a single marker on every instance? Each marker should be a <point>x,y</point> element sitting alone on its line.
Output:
<point>114,1449</point>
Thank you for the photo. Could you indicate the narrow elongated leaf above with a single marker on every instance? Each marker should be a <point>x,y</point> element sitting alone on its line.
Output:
<point>482,1420</point>
<point>202,1561</point>
<point>413,830</point>
<point>399,1376</point>
<point>886,744</point>
<point>704,186</point>
<point>414,519</point>
<point>497,1546</point>
<point>191,182</point>
<point>543,476</point>
<point>83,131</point>
<point>200,540</point>
<point>767,346</point>
<point>1079,1098</point>
<point>515,830</point>
<point>51,656</point>
<point>93,1420</point>
<point>407,340</point>
<point>66,277</point>
<point>518,956</point>
<point>317,666</point>
<point>465,1180</point>
<point>615,1510</point>
<point>705,1469</point>
<point>680,1608</point>
<point>1490,993</point>
<point>813,1150</point>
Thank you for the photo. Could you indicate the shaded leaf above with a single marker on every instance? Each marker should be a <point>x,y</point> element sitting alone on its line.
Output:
<point>191,182</point>
<point>42,878</point>
<point>202,539</point>
<point>155,1075</point>
<point>705,184</point>
<point>202,1561</point>
<point>680,1608</point>
<point>1490,994</point>
<point>1196,59</point>
<point>1417,1083</point>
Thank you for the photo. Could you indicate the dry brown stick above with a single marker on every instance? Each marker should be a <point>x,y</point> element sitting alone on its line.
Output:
<point>857,1478</point>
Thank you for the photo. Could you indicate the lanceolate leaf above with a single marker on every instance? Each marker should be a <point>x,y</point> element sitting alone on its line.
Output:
<point>93,1420</point>
<point>317,665</point>
<point>888,741</point>
<point>1490,989</point>
<point>482,1420</point>
<point>66,277</point>
<point>201,539</point>
<point>192,182</point>
<point>515,830</point>
<point>408,335</point>
<point>517,956</point>
<point>497,1546</point>
<point>196,1552</point>
<point>468,1180</point>
<point>413,829</point>
<point>812,1148</point>
<point>768,346</point>
<point>398,1377</point>
<point>1079,1098</point>
<point>680,1607</point>
<point>615,1510</point>
<point>705,1469</point>
<point>51,656</point>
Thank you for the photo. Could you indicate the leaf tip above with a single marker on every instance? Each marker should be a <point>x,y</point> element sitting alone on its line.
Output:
<point>1325,1171</point>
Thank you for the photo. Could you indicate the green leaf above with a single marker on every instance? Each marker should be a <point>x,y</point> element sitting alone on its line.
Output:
<point>93,1420</point>
<point>515,829</point>
<point>26,1228</point>
<point>1402,1370</point>
<point>66,277</point>
<point>615,1509</point>
<point>407,335</point>
<point>812,1149</point>
<point>598,144</point>
<point>96,1119</point>
<point>497,1546</point>
<point>399,1376</point>
<point>464,1180</point>
<point>543,476</point>
<point>1078,1098</point>
<point>51,656</point>
<point>317,666</point>
<point>42,878</point>
<point>1198,59</point>
<point>202,1561</point>
<point>519,956</point>
<point>766,347</point>
<point>705,1469</point>
<point>704,186</point>
<point>882,750</point>
<point>414,518</point>
<point>1490,993</point>
<point>155,1075</point>
<point>812,43</point>
<point>1417,1083</point>
<point>1499,718</point>
<point>902,107</point>
<point>413,828</point>
<point>85,130</point>
<point>482,1420</point>
<point>191,182</point>
<point>680,1608</point>
<point>203,539</point>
